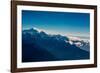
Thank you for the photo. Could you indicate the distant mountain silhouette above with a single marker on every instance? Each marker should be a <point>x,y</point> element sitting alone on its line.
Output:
<point>85,45</point>
<point>40,46</point>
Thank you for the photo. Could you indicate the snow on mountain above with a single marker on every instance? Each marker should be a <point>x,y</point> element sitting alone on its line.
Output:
<point>39,30</point>
<point>41,46</point>
<point>71,42</point>
<point>84,45</point>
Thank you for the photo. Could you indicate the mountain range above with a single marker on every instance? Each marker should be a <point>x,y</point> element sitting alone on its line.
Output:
<point>40,46</point>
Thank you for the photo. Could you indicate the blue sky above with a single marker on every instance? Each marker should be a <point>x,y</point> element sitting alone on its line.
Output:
<point>65,23</point>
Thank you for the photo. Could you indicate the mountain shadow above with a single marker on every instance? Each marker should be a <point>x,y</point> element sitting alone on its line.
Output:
<point>40,46</point>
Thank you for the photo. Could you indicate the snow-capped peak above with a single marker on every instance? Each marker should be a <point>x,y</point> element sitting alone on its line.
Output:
<point>71,42</point>
<point>37,29</point>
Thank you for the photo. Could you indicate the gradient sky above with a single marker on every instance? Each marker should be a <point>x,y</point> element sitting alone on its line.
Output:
<point>65,23</point>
